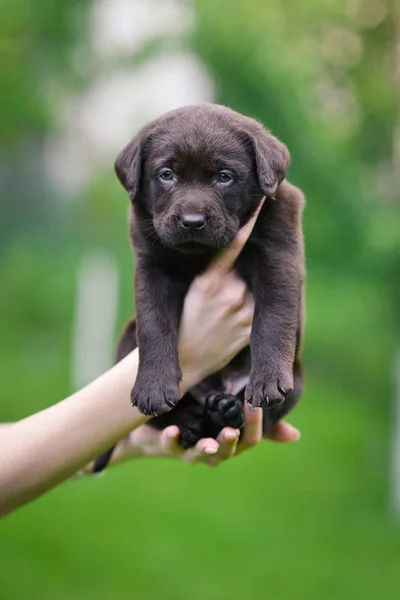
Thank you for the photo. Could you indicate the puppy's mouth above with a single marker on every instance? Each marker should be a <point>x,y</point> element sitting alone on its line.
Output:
<point>192,246</point>
<point>194,242</point>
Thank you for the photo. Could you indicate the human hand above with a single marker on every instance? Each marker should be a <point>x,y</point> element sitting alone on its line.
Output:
<point>147,442</point>
<point>217,314</point>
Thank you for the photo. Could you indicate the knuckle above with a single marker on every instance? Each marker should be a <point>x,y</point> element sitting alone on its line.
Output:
<point>200,283</point>
<point>189,459</point>
<point>212,463</point>
<point>207,284</point>
<point>252,440</point>
<point>235,297</point>
<point>246,316</point>
<point>246,334</point>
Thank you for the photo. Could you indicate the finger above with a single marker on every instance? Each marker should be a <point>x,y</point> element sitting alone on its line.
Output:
<point>204,448</point>
<point>283,432</point>
<point>252,432</point>
<point>170,441</point>
<point>226,259</point>
<point>227,440</point>
<point>121,452</point>
<point>235,291</point>
<point>246,312</point>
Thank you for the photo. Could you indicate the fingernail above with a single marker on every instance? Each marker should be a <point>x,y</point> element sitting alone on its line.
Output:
<point>231,435</point>
<point>172,434</point>
<point>210,450</point>
<point>293,431</point>
<point>296,432</point>
<point>253,408</point>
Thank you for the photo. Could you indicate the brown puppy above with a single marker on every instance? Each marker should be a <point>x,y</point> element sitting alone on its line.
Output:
<point>194,177</point>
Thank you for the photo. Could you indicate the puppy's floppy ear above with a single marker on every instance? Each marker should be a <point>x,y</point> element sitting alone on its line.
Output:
<point>272,161</point>
<point>128,166</point>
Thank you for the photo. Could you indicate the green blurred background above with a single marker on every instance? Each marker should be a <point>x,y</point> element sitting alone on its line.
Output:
<point>316,519</point>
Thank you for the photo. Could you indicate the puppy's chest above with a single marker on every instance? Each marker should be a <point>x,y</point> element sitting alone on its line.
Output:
<point>185,269</point>
<point>249,266</point>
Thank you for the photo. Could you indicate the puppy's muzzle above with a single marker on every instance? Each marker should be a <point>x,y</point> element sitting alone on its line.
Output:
<point>192,222</point>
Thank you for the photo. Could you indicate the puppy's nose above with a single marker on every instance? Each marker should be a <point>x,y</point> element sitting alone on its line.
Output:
<point>192,222</point>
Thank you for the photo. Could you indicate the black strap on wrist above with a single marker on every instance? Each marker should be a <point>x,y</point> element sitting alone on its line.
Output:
<point>102,461</point>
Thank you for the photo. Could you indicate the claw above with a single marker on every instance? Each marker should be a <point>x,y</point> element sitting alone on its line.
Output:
<point>275,402</point>
<point>283,391</point>
<point>170,403</point>
<point>146,411</point>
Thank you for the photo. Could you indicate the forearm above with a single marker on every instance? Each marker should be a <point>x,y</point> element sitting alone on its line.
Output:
<point>47,448</point>
<point>50,446</point>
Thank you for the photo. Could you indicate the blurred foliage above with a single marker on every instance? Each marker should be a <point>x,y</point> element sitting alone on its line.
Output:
<point>324,80</point>
<point>326,83</point>
<point>310,520</point>
<point>35,42</point>
<point>37,68</point>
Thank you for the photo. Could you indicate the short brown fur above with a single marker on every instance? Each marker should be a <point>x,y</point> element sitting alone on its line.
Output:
<point>176,227</point>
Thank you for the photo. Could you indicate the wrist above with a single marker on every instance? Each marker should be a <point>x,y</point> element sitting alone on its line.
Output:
<point>190,375</point>
<point>128,448</point>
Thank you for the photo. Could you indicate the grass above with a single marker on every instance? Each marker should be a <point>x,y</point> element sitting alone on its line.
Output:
<point>297,521</point>
<point>307,520</point>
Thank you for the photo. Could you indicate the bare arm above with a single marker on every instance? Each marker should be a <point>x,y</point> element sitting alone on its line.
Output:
<point>48,447</point>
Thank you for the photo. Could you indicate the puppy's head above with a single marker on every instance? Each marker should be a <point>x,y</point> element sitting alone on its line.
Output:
<point>199,172</point>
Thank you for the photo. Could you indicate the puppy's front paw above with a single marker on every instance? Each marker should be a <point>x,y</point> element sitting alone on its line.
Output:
<point>155,395</point>
<point>268,389</point>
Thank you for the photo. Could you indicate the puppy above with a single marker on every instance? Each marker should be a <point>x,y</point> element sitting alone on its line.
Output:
<point>194,177</point>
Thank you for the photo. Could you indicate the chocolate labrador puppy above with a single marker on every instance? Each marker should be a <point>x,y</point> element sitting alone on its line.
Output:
<point>194,177</point>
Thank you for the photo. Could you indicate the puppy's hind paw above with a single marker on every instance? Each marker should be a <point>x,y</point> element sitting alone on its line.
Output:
<point>222,410</point>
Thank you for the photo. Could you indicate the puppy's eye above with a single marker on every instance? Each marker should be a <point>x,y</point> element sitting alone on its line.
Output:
<point>224,177</point>
<point>166,175</point>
